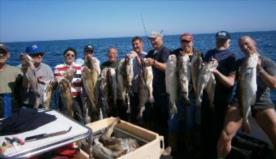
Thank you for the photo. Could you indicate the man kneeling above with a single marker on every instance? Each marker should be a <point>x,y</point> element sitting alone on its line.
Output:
<point>262,107</point>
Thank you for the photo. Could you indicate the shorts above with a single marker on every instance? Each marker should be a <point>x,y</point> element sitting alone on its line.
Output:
<point>261,104</point>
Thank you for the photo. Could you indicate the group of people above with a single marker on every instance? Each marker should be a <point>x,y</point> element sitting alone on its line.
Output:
<point>216,126</point>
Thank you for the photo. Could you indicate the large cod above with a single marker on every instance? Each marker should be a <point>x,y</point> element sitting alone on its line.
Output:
<point>30,79</point>
<point>247,87</point>
<point>206,80</point>
<point>90,74</point>
<point>172,82</point>
<point>145,87</point>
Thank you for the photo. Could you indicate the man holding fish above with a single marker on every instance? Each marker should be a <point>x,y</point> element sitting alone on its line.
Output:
<point>114,80</point>
<point>90,73</point>
<point>157,58</point>
<point>256,76</point>
<point>36,77</point>
<point>183,125</point>
<point>219,85</point>
<point>137,54</point>
<point>68,76</point>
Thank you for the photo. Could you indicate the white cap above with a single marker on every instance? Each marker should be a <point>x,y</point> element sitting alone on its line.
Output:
<point>155,34</point>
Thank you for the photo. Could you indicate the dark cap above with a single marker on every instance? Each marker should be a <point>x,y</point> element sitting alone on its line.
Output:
<point>3,50</point>
<point>89,48</point>
<point>33,50</point>
<point>223,35</point>
<point>187,37</point>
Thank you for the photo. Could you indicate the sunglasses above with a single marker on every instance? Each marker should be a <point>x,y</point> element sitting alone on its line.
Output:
<point>36,55</point>
<point>71,55</point>
<point>184,41</point>
<point>89,51</point>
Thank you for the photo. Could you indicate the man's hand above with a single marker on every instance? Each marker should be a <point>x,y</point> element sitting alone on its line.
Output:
<point>215,71</point>
<point>150,61</point>
<point>88,56</point>
<point>259,65</point>
<point>40,80</point>
<point>69,74</point>
<point>130,55</point>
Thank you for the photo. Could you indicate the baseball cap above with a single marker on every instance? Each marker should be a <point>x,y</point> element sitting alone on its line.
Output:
<point>155,34</point>
<point>186,36</point>
<point>33,50</point>
<point>89,48</point>
<point>223,35</point>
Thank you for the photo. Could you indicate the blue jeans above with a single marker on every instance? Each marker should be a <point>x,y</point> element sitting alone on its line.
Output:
<point>6,102</point>
<point>185,119</point>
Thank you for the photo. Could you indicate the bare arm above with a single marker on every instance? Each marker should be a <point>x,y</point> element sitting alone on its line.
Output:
<point>154,63</point>
<point>227,81</point>
<point>267,78</point>
<point>159,65</point>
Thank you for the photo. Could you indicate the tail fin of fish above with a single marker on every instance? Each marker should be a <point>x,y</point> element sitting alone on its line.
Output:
<point>151,99</point>
<point>173,110</point>
<point>198,101</point>
<point>141,111</point>
<point>246,126</point>
<point>111,127</point>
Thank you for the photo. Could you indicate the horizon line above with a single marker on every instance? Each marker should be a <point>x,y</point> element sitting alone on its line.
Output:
<point>127,36</point>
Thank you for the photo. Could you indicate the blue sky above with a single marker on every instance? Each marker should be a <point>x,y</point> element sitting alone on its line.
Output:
<point>30,20</point>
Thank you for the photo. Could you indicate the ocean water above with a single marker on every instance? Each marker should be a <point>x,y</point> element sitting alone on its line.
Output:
<point>54,49</point>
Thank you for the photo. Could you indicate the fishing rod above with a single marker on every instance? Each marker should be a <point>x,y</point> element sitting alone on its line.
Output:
<point>145,30</point>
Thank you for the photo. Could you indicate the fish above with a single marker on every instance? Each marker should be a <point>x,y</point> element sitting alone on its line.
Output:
<point>184,67</point>
<point>90,74</point>
<point>171,79</point>
<point>247,85</point>
<point>69,74</point>
<point>206,80</point>
<point>125,77</point>
<point>99,151</point>
<point>108,90</point>
<point>29,72</point>
<point>47,95</point>
<point>210,89</point>
<point>108,146</point>
<point>196,64</point>
<point>145,87</point>
<point>64,87</point>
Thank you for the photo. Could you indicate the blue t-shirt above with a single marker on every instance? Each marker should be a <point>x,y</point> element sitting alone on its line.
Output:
<point>227,66</point>
<point>159,84</point>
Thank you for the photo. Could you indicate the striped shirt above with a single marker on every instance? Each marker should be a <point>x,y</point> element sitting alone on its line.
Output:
<point>76,83</point>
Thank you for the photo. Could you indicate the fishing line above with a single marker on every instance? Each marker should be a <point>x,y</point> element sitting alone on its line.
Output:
<point>145,30</point>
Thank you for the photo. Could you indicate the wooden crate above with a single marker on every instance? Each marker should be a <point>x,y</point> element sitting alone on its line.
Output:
<point>152,149</point>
